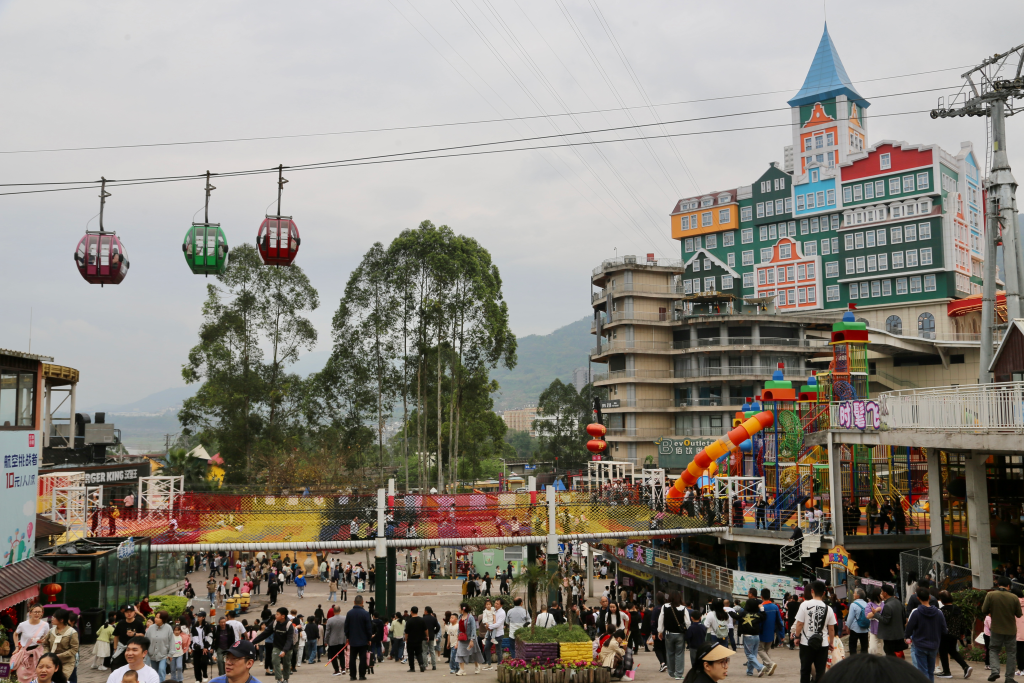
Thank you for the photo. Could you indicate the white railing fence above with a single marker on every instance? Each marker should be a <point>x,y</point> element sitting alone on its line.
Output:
<point>995,407</point>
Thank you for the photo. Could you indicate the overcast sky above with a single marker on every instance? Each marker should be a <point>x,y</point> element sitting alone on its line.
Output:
<point>122,73</point>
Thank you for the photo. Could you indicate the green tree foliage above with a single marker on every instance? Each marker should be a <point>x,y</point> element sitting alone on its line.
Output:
<point>253,328</point>
<point>563,439</point>
<point>177,463</point>
<point>524,445</point>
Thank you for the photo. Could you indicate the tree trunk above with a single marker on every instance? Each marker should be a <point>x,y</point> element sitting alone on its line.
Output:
<point>405,391</point>
<point>457,399</point>
<point>440,477</point>
<point>452,464</point>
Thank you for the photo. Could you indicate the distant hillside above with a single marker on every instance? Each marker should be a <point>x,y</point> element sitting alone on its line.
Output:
<point>542,358</point>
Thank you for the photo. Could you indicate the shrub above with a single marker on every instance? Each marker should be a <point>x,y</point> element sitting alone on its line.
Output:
<point>174,604</point>
<point>563,633</point>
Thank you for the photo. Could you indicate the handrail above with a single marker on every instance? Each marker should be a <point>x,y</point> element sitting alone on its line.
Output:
<point>892,378</point>
<point>997,407</point>
<point>715,576</point>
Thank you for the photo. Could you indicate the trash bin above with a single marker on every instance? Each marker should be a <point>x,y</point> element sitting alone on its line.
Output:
<point>89,623</point>
<point>229,604</point>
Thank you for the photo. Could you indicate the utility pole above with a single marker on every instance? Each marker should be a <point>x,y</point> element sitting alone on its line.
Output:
<point>993,97</point>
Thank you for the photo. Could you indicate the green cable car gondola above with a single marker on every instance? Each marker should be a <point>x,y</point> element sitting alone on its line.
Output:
<point>205,246</point>
<point>206,249</point>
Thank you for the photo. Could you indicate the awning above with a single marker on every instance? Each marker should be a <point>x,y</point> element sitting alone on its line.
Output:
<point>46,527</point>
<point>972,303</point>
<point>19,581</point>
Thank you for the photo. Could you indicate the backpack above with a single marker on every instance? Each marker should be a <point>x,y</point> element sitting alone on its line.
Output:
<point>862,617</point>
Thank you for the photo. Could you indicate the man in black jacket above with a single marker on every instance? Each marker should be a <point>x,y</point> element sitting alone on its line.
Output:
<point>358,631</point>
<point>415,635</point>
<point>433,628</point>
<point>281,634</point>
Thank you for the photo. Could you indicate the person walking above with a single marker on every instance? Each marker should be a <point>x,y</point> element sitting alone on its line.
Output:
<point>956,628</point>
<point>333,590</point>
<point>673,620</point>
<point>312,632</point>
<point>300,584</point>
<point>201,642</point>
<point>358,632</point>
<point>1004,608</point>
<point>281,634</point>
<point>433,634</point>
<point>749,631</point>
<point>924,630</point>
<point>334,637</point>
<point>890,622</point>
<point>815,628</point>
<point>415,637</point>
<point>858,622</point>
<point>495,632</point>
<point>772,628</point>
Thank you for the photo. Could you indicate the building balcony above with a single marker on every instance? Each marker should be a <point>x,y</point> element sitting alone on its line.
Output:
<point>633,263</point>
<point>648,346</point>
<point>652,404</point>
<point>974,408</point>
<point>631,289</point>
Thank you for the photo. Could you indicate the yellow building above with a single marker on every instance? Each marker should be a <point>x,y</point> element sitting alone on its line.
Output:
<point>713,212</point>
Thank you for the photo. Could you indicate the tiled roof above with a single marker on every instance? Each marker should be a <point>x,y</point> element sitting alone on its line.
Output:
<point>25,574</point>
<point>827,77</point>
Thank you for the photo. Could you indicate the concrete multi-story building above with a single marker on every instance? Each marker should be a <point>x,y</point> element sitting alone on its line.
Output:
<point>580,378</point>
<point>520,419</point>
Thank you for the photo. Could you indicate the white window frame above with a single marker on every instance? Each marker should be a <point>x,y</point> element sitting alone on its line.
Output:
<point>748,257</point>
<point>885,161</point>
<point>785,250</point>
<point>727,282</point>
<point>711,241</point>
<point>748,280</point>
<point>849,241</point>
<point>705,219</point>
<point>901,286</point>
<point>896,234</point>
<point>746,214</point>
<point>747,235</point>
<point>847,194</point>
<point>854,291</point>
<point>832,269</point>
<point>894,186</point>
<point>872,263</point>
<point>924,231</point>
<point>724,216</point>
<point>883,262</point>
<point>926,256</point>
<point>688,245</point>
<point>861,266</point>
<point>910,257</point>
<point>799,202</point>
<point>730,259</point>
<point>851,266</point>
<point>729,239</point>
<point>915,284</point>
<point>886,287</point>
<point>929,283</point>
<point>922,180</point>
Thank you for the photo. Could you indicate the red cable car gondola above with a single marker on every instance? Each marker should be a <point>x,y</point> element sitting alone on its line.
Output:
<point>100,256</point>
<point>278,239</point>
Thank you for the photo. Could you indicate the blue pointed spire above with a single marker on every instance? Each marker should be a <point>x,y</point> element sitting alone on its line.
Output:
<point>827,77</point>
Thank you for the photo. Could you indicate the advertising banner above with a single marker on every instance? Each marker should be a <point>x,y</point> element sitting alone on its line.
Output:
<point>778,585</point>
<point>21,452</point>
<point>678,453</point>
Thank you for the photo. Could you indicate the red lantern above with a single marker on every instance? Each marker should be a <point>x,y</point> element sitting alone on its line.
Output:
<point>596,445</point>
<point>51,589</point>
<point>596,429</point>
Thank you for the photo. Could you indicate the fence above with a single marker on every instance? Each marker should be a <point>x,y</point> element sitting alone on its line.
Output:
<point>920,563</point>
<point>970,408</point>
<point>675,564</point>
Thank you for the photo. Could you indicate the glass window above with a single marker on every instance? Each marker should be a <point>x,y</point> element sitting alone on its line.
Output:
<point>897,259</point>
<point>705,219</point>
<point>799,202</point>
<point>785,250</point>
<point>894,186</point>
<point>810,248</point>
<point>711,241</point>
<point>769,208</point>
<point>684,223</point>
<point>709,284</point>
<point>748,280</point>
<point>893,324</point>
<point>832,293</point>
<point>858,193</point>
<point>860,264</point>
<point>779,204</point>
<point>901,285</point>
<point>764,233</point>
<point>832,269</point>
<point>858,240</point>
<point>925,324</point>
<point>911,258</point>
<point>804,227</point>
<point>746,214</point>
<point>688,245</point>
<point>789,205</point>
<point>924,231</point>
<point>885,161</point>
<point>850,267</point>
<point>897,234</point>
<point>869,190</point>
<point>880,236</point>
<point>792,229</point>
<point>747,235</point>
<point>929,283</point>
<point>915,284</point>
<point>727,282</point>
<point>695,266</point>
<point>883,262</point>
<point>908,183</point>
<point>810,295</point>
<point>849,241</point>
<point>766,254</point>
<point>731,259</point>
<point>922,180</point>
<point>830,197</point>
<point>886,287</point>
<point>854,290</point>
<point>26,399</point>
<point>847,194</point>
<point>802,295</point>
<point>8,399</point>
<point>819,196</point>
<point>687,287</point>
<point>910,233</point>
<point>872,263</point>
<point>869,239</point>
<point>876,288</point>
<point>707,264</point>
<point>926,256</point>
<point>790,273</point>
<point>723,216</point>
<point>825,251</point>
<point>835,245</point>
<point>729,239</point>
<point>814,224</point>
<point>761,277</point>
<point>748,257</point>
<point>879,188</point>
<point>863,290</point>
<point>801,272</point>
<point>17,399</point>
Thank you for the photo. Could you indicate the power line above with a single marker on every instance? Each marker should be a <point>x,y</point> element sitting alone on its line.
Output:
<point>405,156</point>
<point>217,141</point>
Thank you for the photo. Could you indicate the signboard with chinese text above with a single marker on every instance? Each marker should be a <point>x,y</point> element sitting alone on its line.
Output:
<point>21,455</point>
<point>678,453</point>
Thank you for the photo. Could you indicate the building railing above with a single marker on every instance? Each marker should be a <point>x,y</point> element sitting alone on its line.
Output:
<point>634,262</point>
<point>995,407</point>
<point>618,345</point>
<point>692,402</point>
<point>628,374</point>
<point>631,288</point>
<point>709,371</point>
<point>677,564</point>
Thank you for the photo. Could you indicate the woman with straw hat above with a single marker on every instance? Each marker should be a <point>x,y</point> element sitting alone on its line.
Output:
<point>711,664</point>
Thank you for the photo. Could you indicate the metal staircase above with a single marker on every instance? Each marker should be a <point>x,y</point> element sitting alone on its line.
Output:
<point>788,554</point>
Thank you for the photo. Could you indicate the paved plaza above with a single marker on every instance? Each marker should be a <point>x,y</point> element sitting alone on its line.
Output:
<point>442,595</point>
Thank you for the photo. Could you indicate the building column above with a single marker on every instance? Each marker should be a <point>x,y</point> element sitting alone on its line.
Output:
<point>380,552</point>
<point>978,521</point>
<point>835,491</point>
<point>723,332</point>
<point>590,569</point>
<point>392,556</point>
<point>935,503</point>
<point>755,333</point>
<point>741,557</point>
<point>552,563</point>
<point>693,336</point>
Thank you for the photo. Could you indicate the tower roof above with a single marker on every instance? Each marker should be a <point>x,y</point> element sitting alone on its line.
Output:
<point>827,77</point>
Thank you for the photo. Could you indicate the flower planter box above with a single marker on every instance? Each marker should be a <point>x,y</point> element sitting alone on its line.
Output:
<point>539,651</point>
<point>576,651</point>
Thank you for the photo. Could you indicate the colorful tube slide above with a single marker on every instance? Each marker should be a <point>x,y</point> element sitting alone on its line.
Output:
<point>707,457</point>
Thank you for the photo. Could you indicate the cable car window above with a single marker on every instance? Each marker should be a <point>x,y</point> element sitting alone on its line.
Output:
<point>8,399</point>
<point>26,402</point>
<point>93,243</point>
<point>104,251</point>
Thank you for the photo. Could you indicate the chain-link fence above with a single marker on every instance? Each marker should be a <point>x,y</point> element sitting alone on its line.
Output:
<point>921,564</point>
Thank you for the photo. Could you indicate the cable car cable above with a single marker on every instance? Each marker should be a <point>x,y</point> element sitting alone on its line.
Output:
<point>359,161</point>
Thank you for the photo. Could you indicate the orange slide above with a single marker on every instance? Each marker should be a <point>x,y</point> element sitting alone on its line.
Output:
<point>707,457</point>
